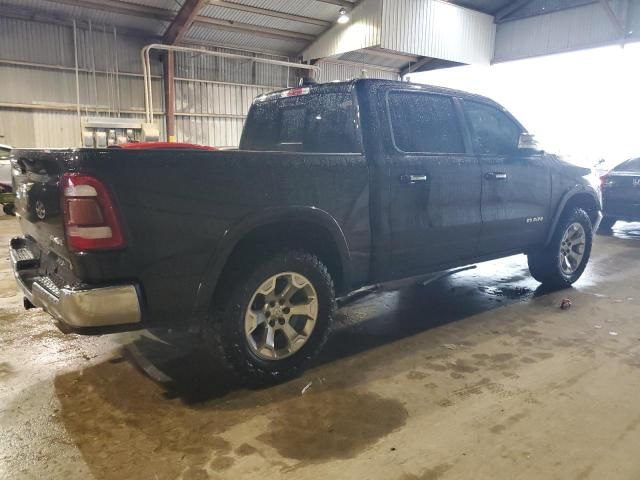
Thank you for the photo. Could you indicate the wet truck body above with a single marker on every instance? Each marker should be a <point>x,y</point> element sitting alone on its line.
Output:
<point>358,172</point>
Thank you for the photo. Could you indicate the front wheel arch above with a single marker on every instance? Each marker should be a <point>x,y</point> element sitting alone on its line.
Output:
<point>585,200</point>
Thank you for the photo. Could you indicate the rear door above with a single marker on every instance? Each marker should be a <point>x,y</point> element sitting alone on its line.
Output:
<point>434,184</point>
<point>516,187</point>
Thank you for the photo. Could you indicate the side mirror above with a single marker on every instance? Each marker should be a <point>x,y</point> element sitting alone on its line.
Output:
<point>527,142</point>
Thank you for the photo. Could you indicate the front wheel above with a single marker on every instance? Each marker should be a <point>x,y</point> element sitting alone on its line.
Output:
<point>563,260</point>
<point>275,317</point>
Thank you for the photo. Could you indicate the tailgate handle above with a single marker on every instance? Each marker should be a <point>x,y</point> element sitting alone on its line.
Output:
<point>413,178</point>
<point>496,176</point>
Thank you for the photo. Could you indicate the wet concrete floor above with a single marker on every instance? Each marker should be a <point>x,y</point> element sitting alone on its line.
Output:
<point>480,376</point>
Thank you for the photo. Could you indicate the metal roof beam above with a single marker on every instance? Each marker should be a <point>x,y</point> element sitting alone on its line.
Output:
<point>254,29</point>
<point>390,54</point>
<point>617,22</point>
<point>121,7</point>
<point>269,13</point>
<point>183,20</point>
<point>413,67</point>
<point>511,8</point>
<point>340,3</point>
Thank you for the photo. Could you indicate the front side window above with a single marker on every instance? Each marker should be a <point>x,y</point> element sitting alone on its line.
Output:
<point>492,131</point>
<point>321,123</point>
<point>424,123</point>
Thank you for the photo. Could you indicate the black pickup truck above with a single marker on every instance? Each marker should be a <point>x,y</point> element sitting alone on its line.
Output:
<point>334,187</point>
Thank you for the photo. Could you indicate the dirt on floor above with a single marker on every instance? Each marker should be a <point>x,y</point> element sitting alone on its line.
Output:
<point>480,375</point>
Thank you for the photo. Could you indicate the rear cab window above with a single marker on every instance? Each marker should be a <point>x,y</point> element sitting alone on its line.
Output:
<point>424,123</point>
<point>310,122</point>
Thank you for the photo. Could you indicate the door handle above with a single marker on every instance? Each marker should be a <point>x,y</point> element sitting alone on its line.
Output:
<point>413,178</point>
<point>495,176</point>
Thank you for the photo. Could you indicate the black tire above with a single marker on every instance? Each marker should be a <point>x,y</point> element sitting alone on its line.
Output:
<point>607,223</point>
<point>544,264</point>
<point>224,331</point>
<point>9,209</point>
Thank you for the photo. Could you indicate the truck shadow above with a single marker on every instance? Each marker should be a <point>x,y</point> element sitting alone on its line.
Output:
<point>194,415</point>
<point>178,362</point>
<point>623,230</point>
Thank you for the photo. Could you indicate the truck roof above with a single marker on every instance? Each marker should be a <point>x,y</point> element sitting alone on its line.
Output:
<point>344,86</point>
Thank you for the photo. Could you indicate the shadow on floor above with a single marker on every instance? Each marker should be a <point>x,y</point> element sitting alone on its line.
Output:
<point>180,364</point>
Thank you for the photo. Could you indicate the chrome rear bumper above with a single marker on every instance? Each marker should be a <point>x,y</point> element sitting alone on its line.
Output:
<point>91,307</point>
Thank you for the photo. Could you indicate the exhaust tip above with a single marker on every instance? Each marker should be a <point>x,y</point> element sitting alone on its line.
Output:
<point>27,303</point>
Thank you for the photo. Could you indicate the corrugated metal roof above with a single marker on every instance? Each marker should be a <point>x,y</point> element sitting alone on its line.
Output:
<point>66,12</point>
<point>485,6</point>
<point>166,4</point>
<point>460,35</point>
<point>307,8</point>
<point>205,33</point>
<point>215,11</point>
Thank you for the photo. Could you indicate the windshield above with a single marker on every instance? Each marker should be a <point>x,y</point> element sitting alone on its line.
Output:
<point>322,123</point>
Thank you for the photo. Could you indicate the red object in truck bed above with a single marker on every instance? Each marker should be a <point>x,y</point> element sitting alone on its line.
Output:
<point>162,145</point>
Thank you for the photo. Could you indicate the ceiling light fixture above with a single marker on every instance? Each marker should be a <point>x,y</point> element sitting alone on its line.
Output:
<point>343,18</point>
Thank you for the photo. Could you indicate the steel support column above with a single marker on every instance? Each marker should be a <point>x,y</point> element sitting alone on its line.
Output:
<point>170,95</point>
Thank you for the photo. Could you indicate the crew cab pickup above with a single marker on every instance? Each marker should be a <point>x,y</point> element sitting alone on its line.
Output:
<point>334,187</point>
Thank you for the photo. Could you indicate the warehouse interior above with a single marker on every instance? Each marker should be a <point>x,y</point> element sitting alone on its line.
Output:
<point>479,374</point>
<point>91,51</point>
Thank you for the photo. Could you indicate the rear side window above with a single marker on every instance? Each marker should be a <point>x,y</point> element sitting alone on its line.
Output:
<point>322,123</point>
<point>424,123</point>
<point>491,130</point>
<point>629,166</point>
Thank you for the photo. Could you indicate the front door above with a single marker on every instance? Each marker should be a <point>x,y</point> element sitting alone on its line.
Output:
<point>516,187</point>
<point>434,185</point>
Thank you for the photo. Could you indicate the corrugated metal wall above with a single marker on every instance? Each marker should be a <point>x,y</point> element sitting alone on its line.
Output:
<point>38,88</point>
<point>213,95</point>
<point>573,29</point>
<point>436,29</point>
<point>429,28</point>
<point>38,91</point>
<point>362,31</point>
<point>330,71</point>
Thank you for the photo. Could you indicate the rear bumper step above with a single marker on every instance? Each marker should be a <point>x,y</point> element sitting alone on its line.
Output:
<point>78,308</point>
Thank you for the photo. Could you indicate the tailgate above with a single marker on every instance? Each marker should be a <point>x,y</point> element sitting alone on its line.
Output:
<point>36,178</point>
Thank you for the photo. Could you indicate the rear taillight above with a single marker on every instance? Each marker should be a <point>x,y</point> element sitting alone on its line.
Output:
<point>606,181</point>
<point>90,219</point>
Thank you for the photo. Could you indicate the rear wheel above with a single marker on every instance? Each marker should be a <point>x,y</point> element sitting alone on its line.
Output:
<point>607,223</point>
<point>274,318</point>
<point>563,261</point>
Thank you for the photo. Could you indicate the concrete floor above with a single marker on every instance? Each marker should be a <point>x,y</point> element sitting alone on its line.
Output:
<point>478,376</point>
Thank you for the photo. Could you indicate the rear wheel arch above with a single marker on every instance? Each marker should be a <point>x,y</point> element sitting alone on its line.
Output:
<point>308,229</point>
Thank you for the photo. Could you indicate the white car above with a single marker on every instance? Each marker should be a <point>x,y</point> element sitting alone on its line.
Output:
<point>5,179</point>
<point>5,165</point>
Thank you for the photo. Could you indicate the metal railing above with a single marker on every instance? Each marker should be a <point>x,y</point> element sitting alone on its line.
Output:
<point>146,67</point>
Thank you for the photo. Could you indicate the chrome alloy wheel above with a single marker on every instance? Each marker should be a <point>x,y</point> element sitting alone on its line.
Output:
<point>281,316</point>
<point>572,248</point>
